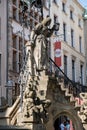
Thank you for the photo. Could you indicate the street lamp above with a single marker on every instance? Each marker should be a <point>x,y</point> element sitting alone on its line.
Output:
<point>56,26</point>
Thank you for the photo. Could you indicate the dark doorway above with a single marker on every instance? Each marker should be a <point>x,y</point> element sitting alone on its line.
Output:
<point>57,124</point>
<point>63,121</point>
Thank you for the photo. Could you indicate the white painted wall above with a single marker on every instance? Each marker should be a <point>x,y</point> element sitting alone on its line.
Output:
<point>66,47</point>
<point>3,46</point>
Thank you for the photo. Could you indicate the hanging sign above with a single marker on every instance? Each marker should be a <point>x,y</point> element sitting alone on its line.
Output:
<point>57,53</point>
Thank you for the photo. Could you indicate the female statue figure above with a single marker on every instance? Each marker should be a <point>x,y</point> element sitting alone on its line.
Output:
<point>39,40</point>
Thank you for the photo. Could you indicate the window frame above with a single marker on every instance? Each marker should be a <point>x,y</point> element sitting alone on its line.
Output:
<point>64,7</point>
<point>64,31</point>
<point>73,69</point>
<point>81,73</point>
<point>79,22</point>
<point>55,21</point>
<point>80,44</point>
<point>71,14</point>
<point>65,64</point>
<point>72,37</point>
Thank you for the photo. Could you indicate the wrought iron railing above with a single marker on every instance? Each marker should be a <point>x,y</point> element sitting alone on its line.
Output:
<point>74,87</point>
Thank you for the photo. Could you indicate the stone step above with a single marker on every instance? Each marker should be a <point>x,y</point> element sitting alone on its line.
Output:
<point>12,128</point>
<point>69,97</point>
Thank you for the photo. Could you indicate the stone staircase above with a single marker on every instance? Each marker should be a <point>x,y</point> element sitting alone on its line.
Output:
<point>12,128</point>
<point>63,102</point>
<point>10,115</point>
<point>70,90</point>
<point>69,96</point>
<point>44,84</point>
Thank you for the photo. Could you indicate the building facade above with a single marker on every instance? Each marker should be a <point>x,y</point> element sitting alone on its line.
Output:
<point>71,37</point>
<point>3,48</point>
<point>22,19</point>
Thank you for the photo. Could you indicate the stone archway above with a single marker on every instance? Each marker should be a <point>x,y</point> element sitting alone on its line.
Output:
<point>73,117</point>
<point>61,104</point>
<point>53,116</point>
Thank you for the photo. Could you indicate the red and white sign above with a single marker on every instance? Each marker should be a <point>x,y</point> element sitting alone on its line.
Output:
<point>57,53</point>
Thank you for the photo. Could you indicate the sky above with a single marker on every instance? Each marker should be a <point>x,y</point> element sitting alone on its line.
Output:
<point>83,3</point>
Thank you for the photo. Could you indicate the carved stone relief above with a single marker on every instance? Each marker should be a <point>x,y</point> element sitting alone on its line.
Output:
<point>58,96</point>
<point>83,110</point>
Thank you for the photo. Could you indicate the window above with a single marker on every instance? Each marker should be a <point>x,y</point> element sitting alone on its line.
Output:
<point>34,19</point>
<point>20,53</point>
<point>55,21</point>
<point>20,44</point>
<point>64,31</point>
<point>14,41</point>
<point>73,70</point>
<point>17,48</point>
<point>79,22</point>
<point>55,1</point>
<point>80,44</point>
<point>0,69</point>
<point>71,14</point>
<point>20,17</point>
<point>14,13</point>
<point>20,61</point>
<point>81,74</point>
<point>15,92</point>
<point>72,38</point>
<point>65,64</point>
<point>14,60</point>
<point>63,7</point>
<point>17,10</point>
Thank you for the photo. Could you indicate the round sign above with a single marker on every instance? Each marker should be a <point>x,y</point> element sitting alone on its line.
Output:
<point>57,53</point>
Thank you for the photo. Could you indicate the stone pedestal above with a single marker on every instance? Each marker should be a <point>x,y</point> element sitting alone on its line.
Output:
<point>29,123</point>
<point>39,127</point>
<point>24,121</point>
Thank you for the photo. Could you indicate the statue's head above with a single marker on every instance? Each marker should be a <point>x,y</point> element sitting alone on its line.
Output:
<point>38,28</point>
